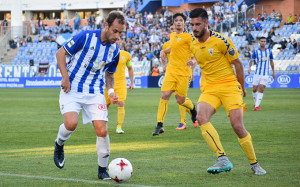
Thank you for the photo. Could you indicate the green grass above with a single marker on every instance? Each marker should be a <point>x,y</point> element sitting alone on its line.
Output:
<point>29,121</point>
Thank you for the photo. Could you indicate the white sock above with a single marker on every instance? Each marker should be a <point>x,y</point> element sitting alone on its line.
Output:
<point>102,146</point>
<point>254,94</point>
<point>258,99</point>
<point>63,134</point>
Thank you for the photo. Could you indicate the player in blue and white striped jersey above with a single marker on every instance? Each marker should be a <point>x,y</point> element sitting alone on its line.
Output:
<point>95,56</point>
<point>263,58</point>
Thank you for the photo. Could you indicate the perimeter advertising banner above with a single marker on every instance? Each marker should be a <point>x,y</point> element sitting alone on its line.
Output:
<point>280,81</point>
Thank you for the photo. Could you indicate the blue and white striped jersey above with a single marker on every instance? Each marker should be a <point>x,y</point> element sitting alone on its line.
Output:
<point>262,59</point>
<point>90,59</point>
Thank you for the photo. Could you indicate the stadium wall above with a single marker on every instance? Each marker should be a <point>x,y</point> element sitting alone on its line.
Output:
<point>285,6</point>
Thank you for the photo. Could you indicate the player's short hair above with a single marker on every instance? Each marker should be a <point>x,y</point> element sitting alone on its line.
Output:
<point>115,15</point>
<point>262,38</point>
<point>199,12</point>
<point>179,14</point>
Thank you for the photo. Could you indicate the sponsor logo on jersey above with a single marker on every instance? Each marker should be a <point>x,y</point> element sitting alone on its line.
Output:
<point>178,39</point>
<point>284,79</point>
<point>123,57</point>
<point>102,107</point>
<point>92,48</point>
<point>231,52</point>
<point>71,43</point>
<point>211,50</point>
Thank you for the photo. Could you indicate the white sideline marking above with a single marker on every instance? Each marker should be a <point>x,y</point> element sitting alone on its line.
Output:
<point>69,179</point>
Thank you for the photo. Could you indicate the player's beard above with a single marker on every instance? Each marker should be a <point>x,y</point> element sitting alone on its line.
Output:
<point>201,33</point>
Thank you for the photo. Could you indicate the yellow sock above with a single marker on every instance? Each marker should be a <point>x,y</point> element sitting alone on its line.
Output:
<point>182,111</point>
<point>246,144</point>
<point>188,104</point>
<point>211,136</point>
<point>120,116</point>
<point>162,110</point>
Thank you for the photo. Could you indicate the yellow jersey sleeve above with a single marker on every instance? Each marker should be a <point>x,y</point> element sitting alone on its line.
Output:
<point>231,53</point>
<point>120,72</point>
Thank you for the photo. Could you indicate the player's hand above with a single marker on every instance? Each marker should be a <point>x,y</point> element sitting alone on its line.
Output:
<point>249,70</point>
<point>65,85</point>
<point>113,98</point>
<point>273,75</point>
<point>131,86</point>
<point>244,92</point>
<point>190,63</point>
<point>163,55</point>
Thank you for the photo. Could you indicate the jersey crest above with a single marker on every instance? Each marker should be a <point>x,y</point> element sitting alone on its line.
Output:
<point>123,57</point>
<point>178,39</point>
<point>211,50</point>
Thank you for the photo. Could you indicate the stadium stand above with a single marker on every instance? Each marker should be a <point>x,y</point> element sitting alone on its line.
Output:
<point>148,26</point>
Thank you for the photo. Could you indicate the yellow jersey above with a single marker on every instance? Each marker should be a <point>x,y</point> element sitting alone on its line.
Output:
<point>214,57</point>
<point>124,60</point>
<point>180,54</point>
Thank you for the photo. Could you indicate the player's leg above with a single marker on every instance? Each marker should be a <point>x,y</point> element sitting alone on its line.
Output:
<point>162,111</point>
<point>245,140</point>
<point>70,109</point>
<point>103,148</point>
<point>97,114</point>
<point>167,89</point>
<point>182,124</point>
<point>260,95</point>
<point>233,104</point>
<point>256,79</point>
<point>120,117</point>
<point>181,87</point>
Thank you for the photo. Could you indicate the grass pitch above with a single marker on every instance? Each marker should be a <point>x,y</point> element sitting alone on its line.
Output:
<point>29,121</point>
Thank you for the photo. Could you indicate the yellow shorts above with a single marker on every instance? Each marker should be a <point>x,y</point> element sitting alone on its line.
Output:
<point>177,83</point>
<point>228,96</point>
<point>121,92</point>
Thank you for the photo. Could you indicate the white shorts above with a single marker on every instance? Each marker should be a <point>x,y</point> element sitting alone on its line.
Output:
<point>93,106</point>
<point>260,79</point>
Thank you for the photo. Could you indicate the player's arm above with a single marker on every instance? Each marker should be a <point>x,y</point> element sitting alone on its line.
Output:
<point>163,54</point>
<point>273,68</point>
<point>131,76</point>
<point>250,64</point>
<point>61,62</point>
<point>109,81</point>
<point>239,69</point>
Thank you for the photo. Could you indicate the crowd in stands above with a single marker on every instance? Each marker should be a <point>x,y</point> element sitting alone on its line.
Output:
<point>147,32</point>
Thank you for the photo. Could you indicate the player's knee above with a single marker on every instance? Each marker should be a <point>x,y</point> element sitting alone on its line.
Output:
<point>201,119</point>
<point>101,132</point>
<point>261,89</point>
<point>71,124</point>
<point>180,101</point>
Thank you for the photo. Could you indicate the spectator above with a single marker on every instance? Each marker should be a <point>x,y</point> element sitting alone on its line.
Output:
<point>259,18</point>
<point>76,21</point>
<point>290,19</point>
<point>265,15</point>
<point>295,19</point>
<point>244,8</point>
<point>32,24</point>
<point>57,22</point>
<point>273,15</point>
<point>249,37</point>
<point>277,39</point>
<point>91,21</point>
<point>294,43</point>
<point>12,44</point>
<point>252,27</point>
<point>155,70</point>
<point>240,31</point>
<point>264,34</point>
<point>271,33</point>
<point>283,43</point>
<point>98,21</point>
<point>289,44</point>
<point>279,16</point>
<point>28,39</point>
<point>258,26</point>
<point>234,7</point>
<point>247,53</point>
<point>5,25</point>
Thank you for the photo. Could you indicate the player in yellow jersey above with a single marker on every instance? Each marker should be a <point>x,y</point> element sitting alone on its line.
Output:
<point>120,86</point>
<point>182,109</point>
<point>178,74</point>
<point>216,56</point>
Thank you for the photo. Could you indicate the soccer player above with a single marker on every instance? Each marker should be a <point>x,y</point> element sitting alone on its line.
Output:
<point>177,72</point>
<point>120,85</point>
<point>95,56</point>
<point>216,56</point>
<point>182,109</point>
<point>263,58</point>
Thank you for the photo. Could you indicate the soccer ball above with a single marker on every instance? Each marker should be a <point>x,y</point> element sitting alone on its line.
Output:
<point>120,169</point>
